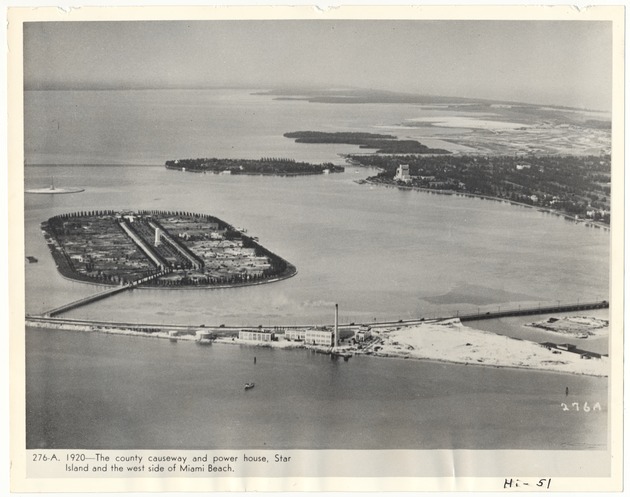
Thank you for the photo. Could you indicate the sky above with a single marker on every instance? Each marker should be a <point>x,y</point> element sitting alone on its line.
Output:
<point>547,62</point>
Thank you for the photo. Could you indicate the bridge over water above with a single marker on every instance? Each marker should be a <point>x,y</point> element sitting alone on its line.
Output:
<point>525,311</point>
<point>548,309</point>
<point>529,311</point>
<point>103,295</point>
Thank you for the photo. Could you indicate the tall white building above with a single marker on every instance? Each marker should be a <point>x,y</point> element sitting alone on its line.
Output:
<point>402,173</point>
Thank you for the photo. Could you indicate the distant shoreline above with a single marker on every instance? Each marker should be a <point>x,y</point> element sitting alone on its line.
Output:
<point>586,222</point>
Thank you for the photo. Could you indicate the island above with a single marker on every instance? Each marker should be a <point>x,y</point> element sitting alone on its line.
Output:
<point>574,326</point>
<point>270,166</point>
<point>445,340</point>
<point>159,249</point>
<point>577,187</point>
<point>385,144</point>
<point>52,190</point>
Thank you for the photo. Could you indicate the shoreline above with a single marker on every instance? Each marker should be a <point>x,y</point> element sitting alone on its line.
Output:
<point>187,287</point>
<point>585,222</point>
<point>229,336</point>
<point>224,286</point>
<point>476,364</point>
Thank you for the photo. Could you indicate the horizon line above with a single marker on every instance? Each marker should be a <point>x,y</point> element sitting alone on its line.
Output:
<point>292,89</point>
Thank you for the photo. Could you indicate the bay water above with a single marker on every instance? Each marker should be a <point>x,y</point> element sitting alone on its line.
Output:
<point>380,253</point>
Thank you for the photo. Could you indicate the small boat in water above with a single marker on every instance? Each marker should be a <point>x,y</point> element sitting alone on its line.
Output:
<point>249,386</point>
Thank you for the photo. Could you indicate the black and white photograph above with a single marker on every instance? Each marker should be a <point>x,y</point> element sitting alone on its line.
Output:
<point>336,245</point>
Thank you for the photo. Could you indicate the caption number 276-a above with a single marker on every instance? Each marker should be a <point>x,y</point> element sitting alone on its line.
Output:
<point>577,406</point>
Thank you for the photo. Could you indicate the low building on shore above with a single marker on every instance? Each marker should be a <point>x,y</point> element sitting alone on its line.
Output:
<point>297,335</point>
<point>363,333</point>
<point>319,337</point>
<point>257,335</point>
<point>204,335</point>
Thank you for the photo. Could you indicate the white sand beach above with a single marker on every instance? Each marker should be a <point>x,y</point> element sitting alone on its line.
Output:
<point>445,340</point>
<point>451,341</point>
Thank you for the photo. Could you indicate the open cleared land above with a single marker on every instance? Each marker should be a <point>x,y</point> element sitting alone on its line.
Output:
<point>173,249</point>
<point>448,340</point>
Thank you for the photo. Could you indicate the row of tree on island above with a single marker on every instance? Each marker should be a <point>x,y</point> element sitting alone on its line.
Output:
<point>65,266</point>
<point>265,166</point>
<point>54,228</point>
<point>152,213</point>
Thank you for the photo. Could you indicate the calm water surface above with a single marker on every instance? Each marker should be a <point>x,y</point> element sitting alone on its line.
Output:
<point>88,390</point>
<point>380,253</point>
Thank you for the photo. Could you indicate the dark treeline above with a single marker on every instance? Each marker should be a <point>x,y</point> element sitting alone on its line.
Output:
<point>385,144</point>
<point>575,185</point>
<point>57,228</point>
<point>269,166</point>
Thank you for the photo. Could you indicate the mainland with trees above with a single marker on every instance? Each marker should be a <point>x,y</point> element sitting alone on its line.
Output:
<point>577,186</point>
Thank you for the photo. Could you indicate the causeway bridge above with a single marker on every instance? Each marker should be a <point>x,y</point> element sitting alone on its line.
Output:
<point>521,311</point>
<point>529,311</point>
<point>103,295</point>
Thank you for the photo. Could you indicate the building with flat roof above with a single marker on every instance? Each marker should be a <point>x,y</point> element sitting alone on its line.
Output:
<point>363,334</point>
<point>297,335</point>
<point>319,337</point>
<point>257,335</point>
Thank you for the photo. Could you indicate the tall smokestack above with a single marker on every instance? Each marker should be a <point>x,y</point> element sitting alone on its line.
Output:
<point>336,339</point>
<point>158,233</point>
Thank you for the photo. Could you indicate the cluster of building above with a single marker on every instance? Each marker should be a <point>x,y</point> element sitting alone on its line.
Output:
<point>97,248</point>
<point>177,248</point>
<point>320,336</point>
<point>222,257</point>
<point>317,336</point>
<point>403,175</point>
<point>314,336</point>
